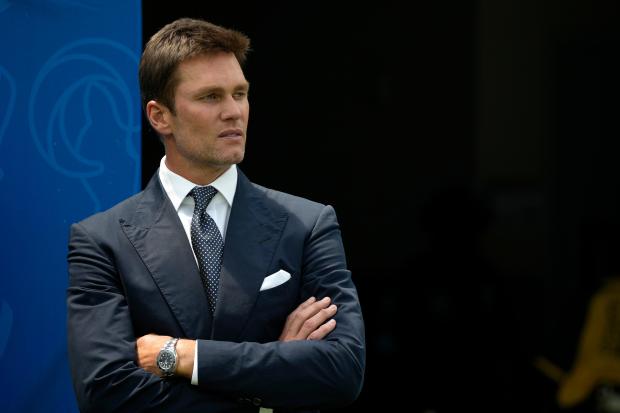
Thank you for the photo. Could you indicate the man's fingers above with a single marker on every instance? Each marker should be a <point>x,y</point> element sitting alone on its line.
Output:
<point>298,317</point>
<point>307,303</point>
<point>314,322</point>
<point>322,331</point>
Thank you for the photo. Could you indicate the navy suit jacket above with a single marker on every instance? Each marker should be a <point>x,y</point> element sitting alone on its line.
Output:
<point>132,272</point>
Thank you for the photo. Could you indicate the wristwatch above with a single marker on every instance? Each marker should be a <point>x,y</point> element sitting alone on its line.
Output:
<point>167,358</point>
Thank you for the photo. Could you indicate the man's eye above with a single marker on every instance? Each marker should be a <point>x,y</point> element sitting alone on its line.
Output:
<point>210,97</point>
<point>240,95</point>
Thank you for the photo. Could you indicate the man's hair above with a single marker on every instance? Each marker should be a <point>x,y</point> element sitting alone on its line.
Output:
<point>176,42</point>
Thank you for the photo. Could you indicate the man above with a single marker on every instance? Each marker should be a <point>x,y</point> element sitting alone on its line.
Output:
<point>206,292</point>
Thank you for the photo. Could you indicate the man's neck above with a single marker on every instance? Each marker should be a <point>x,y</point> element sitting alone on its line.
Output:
<point>198,175</point>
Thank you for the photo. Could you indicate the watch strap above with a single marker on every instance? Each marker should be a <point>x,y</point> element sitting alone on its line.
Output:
<point>171,344</point>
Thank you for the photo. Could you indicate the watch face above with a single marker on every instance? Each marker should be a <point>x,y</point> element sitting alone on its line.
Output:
<point>165,361</point>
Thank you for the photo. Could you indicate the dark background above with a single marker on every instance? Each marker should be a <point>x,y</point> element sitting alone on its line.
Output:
<point>469,149</point>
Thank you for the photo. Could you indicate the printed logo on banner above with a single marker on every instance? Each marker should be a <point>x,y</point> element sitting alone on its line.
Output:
<point>80,91</point>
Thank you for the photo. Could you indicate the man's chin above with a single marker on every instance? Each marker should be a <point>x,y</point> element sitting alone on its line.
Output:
<point>229,160</point>
<point>236,158</point>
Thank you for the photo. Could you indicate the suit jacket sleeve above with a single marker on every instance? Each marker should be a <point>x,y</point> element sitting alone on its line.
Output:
<point>299,374</point>
<point>102,346</point>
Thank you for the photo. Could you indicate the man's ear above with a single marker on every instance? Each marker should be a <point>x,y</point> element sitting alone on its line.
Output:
<point>159,117</point>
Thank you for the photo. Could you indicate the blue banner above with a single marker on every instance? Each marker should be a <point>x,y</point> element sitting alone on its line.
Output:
<point>69,147</point>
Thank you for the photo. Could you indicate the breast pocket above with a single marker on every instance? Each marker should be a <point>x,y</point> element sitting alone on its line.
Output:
<point>275,280</point>
<point>273,305</point>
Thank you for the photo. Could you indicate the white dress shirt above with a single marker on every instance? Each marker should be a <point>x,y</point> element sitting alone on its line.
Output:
<point>177,188</point>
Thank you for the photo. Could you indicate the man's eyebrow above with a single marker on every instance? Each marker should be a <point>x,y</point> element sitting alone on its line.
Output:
<point>243,86</point>
<point>219,89</point>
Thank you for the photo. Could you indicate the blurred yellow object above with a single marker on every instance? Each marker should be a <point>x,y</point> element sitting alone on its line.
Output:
<point>598,355</point>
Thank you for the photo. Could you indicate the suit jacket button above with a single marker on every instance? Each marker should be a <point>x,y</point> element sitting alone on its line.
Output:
<point>256,401</point>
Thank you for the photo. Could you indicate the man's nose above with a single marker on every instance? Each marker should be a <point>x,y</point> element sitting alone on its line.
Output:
<point>232,108</point>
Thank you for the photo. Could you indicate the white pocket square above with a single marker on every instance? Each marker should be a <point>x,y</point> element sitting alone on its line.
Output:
<point>275,279</point>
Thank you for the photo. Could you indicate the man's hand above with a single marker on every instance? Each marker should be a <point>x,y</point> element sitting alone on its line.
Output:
<point>308,321</point>
<point>148,348</point>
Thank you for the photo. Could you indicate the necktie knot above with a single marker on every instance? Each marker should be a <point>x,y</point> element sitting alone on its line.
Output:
<point>202,196</point>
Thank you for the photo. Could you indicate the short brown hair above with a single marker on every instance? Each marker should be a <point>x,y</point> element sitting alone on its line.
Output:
<point>178,41</point>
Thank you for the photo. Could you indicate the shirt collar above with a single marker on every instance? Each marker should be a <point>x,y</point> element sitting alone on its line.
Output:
<point>178,187</point>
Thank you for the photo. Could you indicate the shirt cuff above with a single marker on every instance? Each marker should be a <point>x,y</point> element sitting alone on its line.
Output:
<point>195,371</point>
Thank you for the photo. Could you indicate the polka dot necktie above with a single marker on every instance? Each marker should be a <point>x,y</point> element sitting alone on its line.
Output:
<point>207,242</point>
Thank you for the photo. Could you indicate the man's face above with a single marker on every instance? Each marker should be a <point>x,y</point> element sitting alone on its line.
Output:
<point>212,110</point>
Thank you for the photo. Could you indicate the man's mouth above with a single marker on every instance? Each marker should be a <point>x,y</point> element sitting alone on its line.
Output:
<point>231,133</point>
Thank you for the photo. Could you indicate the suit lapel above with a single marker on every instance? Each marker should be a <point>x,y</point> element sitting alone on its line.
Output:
<point>252,235</point>
<point>158,236</point>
